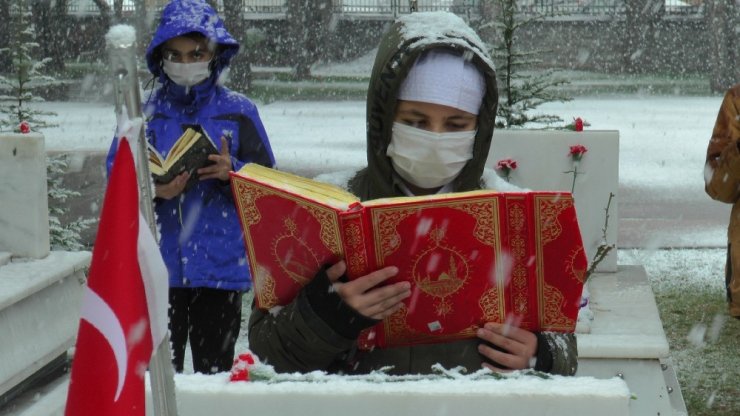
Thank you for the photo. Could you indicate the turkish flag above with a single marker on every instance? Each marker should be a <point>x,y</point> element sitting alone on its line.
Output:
<point>124,308</point>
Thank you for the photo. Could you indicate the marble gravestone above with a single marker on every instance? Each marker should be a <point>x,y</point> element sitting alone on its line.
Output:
<point>24,214</point>
<point>40,290</point>
<point>544,163</point>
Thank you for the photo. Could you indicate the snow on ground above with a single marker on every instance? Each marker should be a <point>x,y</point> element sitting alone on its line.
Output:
<point>663,139</point>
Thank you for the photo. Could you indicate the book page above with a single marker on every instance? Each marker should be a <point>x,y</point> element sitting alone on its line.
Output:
<point>435,197</point>
<point>156,161</point>
<point>181,146</point>
<point>318,191</point>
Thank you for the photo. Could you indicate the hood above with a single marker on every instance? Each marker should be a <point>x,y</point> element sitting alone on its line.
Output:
<point>185,16</point>
<point>408,37</point>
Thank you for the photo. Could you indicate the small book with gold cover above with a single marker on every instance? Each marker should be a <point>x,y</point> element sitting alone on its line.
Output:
<point>471,257</point>
<point>189,153</point>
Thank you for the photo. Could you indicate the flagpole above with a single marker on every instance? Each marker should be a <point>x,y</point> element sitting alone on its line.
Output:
<point>121,42</point>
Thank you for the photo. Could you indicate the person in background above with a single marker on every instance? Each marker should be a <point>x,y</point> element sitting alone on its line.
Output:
<point>722,183</point>
<point>431,109</point>
<point>201,241</point>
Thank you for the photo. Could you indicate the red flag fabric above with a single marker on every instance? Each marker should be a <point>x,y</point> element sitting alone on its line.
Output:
<point>123,313</point>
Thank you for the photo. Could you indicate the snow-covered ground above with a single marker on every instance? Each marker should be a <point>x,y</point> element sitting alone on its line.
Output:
<point>662,139</point>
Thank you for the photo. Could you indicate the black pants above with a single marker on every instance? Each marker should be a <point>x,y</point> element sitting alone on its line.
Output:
<point>211,318</point>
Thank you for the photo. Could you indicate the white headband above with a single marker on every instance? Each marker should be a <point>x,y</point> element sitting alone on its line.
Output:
<point>441,77</point>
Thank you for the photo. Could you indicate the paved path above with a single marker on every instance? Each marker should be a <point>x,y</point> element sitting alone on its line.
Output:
<point>655,218</point>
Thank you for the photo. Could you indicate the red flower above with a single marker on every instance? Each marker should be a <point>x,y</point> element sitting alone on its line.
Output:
<point>578,124</point>
<point>240,369</point>
<point>24,127</point>
<point>506,165</point>
<point>577,151</point>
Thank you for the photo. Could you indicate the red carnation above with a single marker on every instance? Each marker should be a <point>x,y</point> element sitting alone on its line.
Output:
<point>577,151</point>
<point>578,124</point>
<point>24,127</point>
<point>240,369</point>
<point>505,166</point>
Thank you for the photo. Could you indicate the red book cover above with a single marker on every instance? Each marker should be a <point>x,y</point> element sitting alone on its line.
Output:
<point>471,257</point>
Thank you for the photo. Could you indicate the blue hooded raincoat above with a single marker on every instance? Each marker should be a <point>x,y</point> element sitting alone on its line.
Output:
<point>201,239</point>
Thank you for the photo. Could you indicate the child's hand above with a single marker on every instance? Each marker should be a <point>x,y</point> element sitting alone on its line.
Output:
<point>519,346</point>
<point>363,295</point>
<point>174,188</point>
<point>222,167</point>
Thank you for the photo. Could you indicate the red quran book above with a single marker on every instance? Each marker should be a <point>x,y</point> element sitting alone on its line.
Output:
<point>471,257</point>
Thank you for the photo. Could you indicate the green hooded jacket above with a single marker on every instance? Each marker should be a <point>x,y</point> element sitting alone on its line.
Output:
<point>317,331</point>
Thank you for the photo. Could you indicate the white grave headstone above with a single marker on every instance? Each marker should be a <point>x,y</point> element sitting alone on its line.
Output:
<point>24,214</point>
<point>544,163</point>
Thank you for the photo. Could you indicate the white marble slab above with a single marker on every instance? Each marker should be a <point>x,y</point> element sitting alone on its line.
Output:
<point>543,164</point>
<point>24,215</point>
<point>626,321</point>
<point>20,279</point>
<point>39,312</point>
<point>200,394</point>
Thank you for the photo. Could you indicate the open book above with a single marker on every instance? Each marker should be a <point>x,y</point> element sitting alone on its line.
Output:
<point>189,153</point>
<point>471,257</point>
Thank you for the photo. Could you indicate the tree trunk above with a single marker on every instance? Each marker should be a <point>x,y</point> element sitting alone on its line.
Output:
<point>59,35</point>
<point>309,20</point>
<point>240,75</point>
<point>641,19</point>
<point>118,10</point>
<point>142,26</point>
<point>105,12</point>
<point>723,40</point>
<point>48,24</point>
<point>5,59</point>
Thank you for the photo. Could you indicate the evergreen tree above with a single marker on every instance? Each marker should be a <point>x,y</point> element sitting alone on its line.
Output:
<point>62,236</point>
<point>16,92</point>
<point>522,88</point>
<point>16,96</point>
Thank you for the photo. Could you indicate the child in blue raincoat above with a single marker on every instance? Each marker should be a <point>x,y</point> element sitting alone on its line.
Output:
<point>201,239</point>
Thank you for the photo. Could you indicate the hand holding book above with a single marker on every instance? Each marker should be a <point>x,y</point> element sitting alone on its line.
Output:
<point>190,153</point>
<point>221,164</point>
<point>367,295</point>
<point>172,188</point>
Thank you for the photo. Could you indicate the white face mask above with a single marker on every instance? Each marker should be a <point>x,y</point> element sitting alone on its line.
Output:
<point>188,74</point>
<point>427,159</point>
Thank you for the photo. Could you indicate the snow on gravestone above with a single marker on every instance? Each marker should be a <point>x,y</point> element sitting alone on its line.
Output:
<point>24,215</point>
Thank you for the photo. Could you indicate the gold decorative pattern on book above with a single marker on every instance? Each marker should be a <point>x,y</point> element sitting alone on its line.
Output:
<point>456,272</point>
<point>329,233</point>
<point>550,209</point>
<point>264,285</point>
<point>486,215</point>
<point>387,221</point>
<point>547,229</point>
<point>518,242</point>
<point>553,316</point>
<point>492,306</point>
<point>293,255</point>
<point>248,197</point>
<point>356,262</point>
<point>576,273</point>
